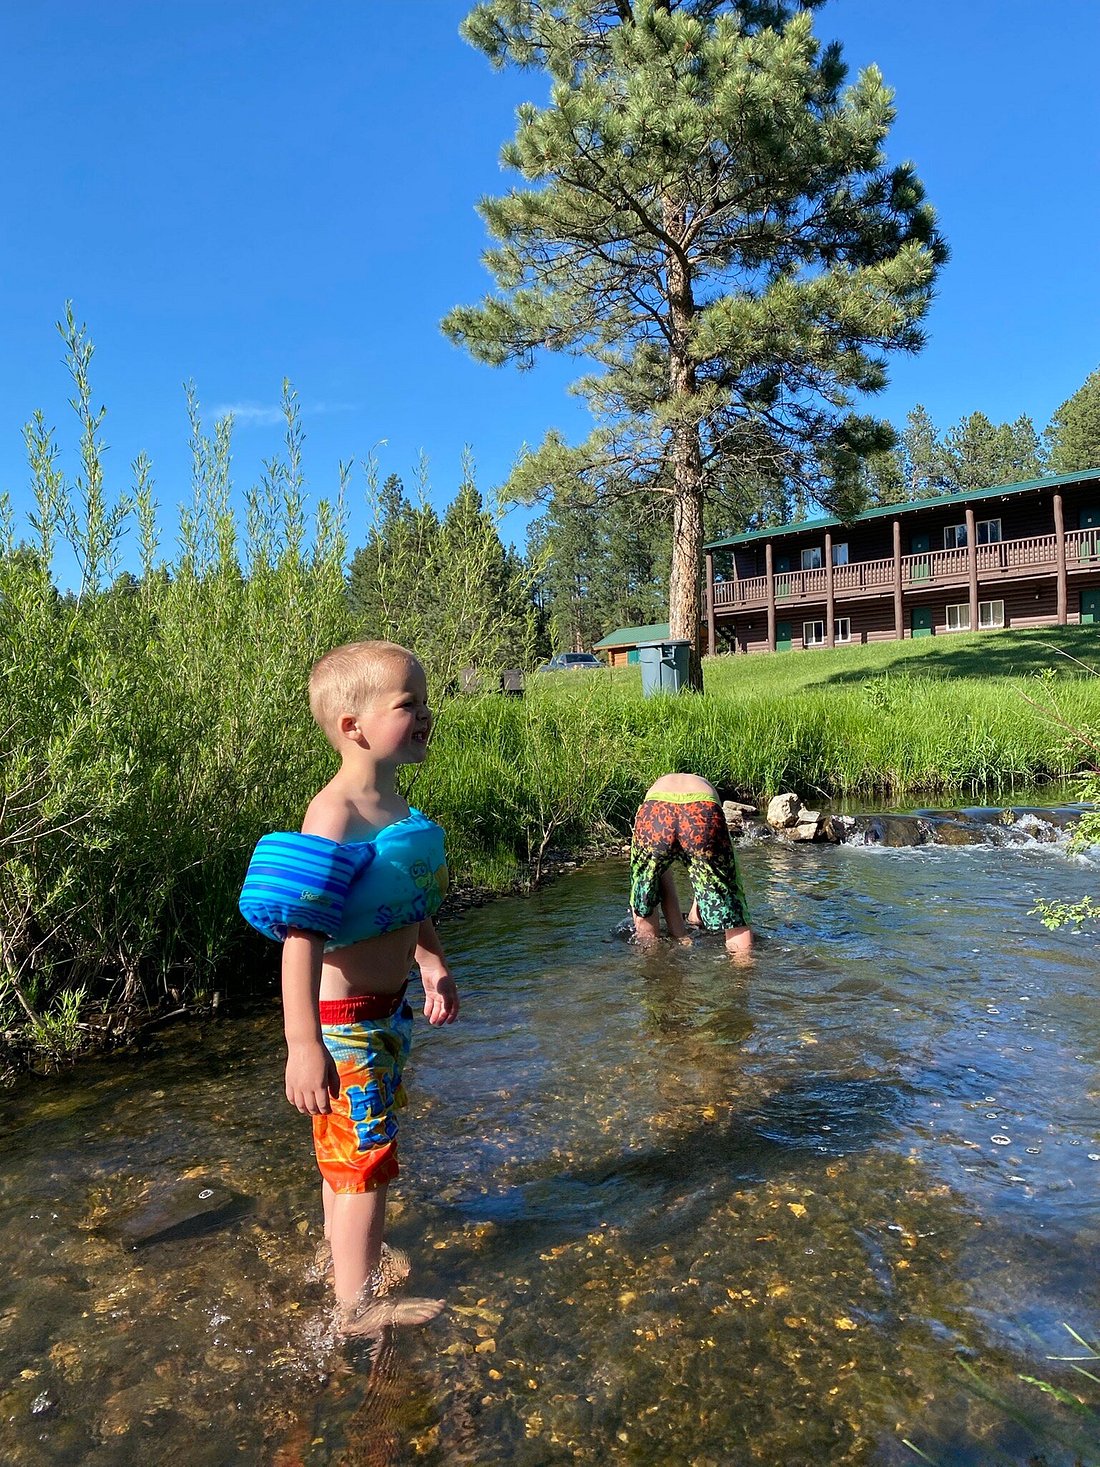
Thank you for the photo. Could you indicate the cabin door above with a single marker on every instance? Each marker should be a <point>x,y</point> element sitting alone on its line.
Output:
<point>920,621</point>
<point>919,571</point>
<point>1089,545</point>
<point>782,577</point>
<point>782,636</point>
<point>1090,608</point>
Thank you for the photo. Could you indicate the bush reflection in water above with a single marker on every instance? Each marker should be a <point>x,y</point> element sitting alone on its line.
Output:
<point>681,1213</point>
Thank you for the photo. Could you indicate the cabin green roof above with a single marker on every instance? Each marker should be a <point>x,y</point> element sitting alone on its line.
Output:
<point>1049,481</point>
<point>633,636</point>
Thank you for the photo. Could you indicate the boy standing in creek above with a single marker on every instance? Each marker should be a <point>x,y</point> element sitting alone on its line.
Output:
<point>351,897</point>
<point>681,819</point>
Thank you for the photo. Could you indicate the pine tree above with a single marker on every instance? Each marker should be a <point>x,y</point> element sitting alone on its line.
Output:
<point>1073,434</point>
<point>983,454</point>
<point>708,216</point>
<point>927,468</point>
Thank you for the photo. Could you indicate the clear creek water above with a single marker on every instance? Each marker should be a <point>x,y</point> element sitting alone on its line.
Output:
<point>825,1210</point>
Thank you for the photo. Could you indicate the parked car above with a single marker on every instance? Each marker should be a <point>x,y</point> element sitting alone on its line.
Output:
<point>571,661</point>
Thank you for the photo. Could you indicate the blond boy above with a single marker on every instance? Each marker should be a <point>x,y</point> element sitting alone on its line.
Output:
<point>352,898</point>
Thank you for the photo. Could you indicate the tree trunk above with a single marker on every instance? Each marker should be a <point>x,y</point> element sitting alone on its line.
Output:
<point>685,608</point>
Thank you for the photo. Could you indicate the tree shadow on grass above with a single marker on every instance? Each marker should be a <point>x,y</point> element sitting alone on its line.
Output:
<point>993,655</point>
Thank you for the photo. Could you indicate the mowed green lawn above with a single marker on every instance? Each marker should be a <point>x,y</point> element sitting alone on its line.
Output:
<point>974,713</point>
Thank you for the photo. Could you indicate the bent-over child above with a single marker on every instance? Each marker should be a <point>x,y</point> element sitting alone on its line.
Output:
<point>351,897</point>
<point>681,819</point>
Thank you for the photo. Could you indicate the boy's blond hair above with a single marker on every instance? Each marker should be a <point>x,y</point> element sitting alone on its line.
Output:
<point>348,677</point>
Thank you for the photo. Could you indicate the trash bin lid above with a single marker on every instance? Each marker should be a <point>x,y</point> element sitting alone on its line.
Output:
<point>666,642</point>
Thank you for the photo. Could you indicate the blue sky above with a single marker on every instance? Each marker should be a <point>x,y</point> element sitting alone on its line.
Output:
<point>236,192</point>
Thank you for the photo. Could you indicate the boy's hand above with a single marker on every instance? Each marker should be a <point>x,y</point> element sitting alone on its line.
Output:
<point>311,1079</point>
<point>440,997</point>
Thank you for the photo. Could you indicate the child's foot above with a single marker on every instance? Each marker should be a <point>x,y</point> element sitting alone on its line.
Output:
<point>375,1315</point>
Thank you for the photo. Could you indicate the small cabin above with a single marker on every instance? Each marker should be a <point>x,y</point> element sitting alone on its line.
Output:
<point>621,647</point>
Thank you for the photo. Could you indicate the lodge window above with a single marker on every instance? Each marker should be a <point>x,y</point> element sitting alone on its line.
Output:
<point>811,559</point>
<point>840,553</point>
<point>813,634</point>
<point>843,629</point>
<point>958,616</point>
<point>954,537</point>
<point>991,613</point>
<point>989,532</point>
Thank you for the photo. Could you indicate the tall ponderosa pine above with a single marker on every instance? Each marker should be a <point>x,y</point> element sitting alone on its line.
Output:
<point>711,220</point>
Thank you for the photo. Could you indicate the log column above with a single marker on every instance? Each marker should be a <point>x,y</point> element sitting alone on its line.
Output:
<point>972,566</point>
<point>769,570</point>
<point>710,602</point>
<point>899,614</point>
<point>1060,550</point>
<point>830,599</point>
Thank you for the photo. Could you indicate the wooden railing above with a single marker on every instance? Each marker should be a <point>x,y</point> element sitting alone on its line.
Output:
<point>1001,560</point>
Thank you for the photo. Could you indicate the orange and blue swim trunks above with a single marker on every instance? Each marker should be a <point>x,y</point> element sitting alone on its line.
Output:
<point>369,1038</point>
<point>690,828</point>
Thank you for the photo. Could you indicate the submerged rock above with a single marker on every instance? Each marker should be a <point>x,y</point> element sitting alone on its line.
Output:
<point>961,832</point>
<point>185,1210</point>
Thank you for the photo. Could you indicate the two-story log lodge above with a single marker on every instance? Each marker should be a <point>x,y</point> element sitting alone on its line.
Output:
<point>1021,555</point>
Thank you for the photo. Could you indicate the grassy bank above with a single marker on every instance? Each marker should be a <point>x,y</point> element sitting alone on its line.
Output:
<point>896,719</point>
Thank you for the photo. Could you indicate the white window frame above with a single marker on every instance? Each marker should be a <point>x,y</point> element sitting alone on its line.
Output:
<point>808,558</point>
<point>992,530</point>
<point>995,610</point>
<point>840,553</point>
<point>960,621</point>
<point>954,537</point>
<point>842,629</point>
<point>811,641</point>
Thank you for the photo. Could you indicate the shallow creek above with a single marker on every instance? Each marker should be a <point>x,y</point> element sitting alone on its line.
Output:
<point>827,1210</point>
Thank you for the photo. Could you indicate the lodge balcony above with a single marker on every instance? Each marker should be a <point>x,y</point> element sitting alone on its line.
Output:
<point>1004,560</point>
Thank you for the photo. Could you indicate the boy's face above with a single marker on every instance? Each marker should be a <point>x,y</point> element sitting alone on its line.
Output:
<point>396,721</point>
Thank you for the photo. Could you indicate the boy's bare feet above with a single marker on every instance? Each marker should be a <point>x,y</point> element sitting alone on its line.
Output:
<point>374,1315</point>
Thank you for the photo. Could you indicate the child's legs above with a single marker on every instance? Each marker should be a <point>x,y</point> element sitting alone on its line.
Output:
<point>739,943</point>
<point>354,1223</point>
<point>670,905</point>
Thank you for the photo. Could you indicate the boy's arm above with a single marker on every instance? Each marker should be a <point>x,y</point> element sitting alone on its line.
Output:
<point>311,1076</point>
<point>440,993</point>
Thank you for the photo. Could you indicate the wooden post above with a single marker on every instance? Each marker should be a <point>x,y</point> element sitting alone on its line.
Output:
<point>1060,549</point>
<point>830,599</point>
<point>899,614</point>
<point>710,602</point>
<point>972,566</point>
<point>769,571</point>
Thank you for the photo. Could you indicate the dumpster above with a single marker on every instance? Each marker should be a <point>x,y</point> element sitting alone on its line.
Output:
<point>665,666</point>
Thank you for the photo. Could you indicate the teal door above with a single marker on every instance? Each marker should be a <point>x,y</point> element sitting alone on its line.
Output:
<point>632,656</point>
<point>782,577</point>
<point>920,545</point>
<point>782,636</point>
<point>1090,608</point>
<point>920,621</point>
<point>1088,546</point>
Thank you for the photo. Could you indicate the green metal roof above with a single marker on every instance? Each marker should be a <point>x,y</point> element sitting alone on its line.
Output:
<point>631,636</point>
<point>1050,481</point>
